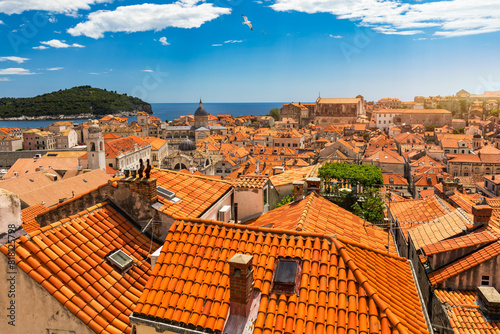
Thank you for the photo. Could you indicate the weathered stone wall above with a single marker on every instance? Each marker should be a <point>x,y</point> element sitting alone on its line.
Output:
<point>471,279</point>
<point>422,280</point>
<point>33,309</point>
<point>439,317</point>
<point>132,204</point>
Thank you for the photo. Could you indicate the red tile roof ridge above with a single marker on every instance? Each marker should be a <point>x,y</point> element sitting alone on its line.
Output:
<point>251,228</point>
<point>193,175</point>
<point>370,291</point>
<point>305,212</point>
<point>66,220</point>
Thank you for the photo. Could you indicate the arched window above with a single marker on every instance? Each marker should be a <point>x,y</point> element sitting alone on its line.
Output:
<point>101,146</point>
<point>92,147</point>
<point>154,157</point>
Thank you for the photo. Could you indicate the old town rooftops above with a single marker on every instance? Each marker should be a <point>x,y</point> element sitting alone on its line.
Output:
<point>196,193</point>
<point>315,214</point>
<point>69,260</point>
<point>343,286</point>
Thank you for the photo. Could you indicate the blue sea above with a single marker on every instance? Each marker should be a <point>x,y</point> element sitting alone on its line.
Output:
<point>170,111</point>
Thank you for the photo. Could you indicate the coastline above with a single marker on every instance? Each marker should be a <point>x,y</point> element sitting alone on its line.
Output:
<point>63,117</point>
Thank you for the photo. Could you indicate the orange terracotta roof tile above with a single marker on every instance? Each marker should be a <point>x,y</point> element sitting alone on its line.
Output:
<point>289,176</point>
<point>343,287</point>
<point>68,259</point>
<point>196,193</point>
<point>464,314</point>
<point>441,228</point>
<point>419,210</point>
<point>250,182</point>
<point>156,143</point>
<point>465,263</point>
<point>315,214</point>
<point>28,216</point>
<point>481,236</point>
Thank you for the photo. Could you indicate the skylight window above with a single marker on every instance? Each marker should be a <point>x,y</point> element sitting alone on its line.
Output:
<point>287,276</point>
<point>121,260</point>
<point>167,194</point>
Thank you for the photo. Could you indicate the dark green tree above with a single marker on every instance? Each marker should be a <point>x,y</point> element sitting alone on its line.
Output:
<point>275,112</point>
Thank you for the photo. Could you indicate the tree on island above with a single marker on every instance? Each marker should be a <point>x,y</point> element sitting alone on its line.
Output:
<point>275,113</point>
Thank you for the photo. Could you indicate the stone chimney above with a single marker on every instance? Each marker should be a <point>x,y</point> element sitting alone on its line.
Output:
<point>144,187</point>
<point>488,299</point>
<point>482,214</point>
<point>10,212</point>
<point>313,184</point>
<point>240,284</point>
<point>298,189</point>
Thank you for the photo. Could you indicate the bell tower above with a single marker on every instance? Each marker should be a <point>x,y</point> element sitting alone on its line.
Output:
<point>95,149</point>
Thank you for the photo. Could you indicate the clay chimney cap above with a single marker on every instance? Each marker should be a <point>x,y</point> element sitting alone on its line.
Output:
<point>241,259</point>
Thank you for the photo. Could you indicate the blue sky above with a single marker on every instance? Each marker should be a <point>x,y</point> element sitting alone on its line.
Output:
<point>179,51</point>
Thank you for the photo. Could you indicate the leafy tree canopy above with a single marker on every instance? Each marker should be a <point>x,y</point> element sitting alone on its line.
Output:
<point>73,101</point>
<point>366,175</point>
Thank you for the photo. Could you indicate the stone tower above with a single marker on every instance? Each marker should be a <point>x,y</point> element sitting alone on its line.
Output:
<point>95,149</point>
<point>201,117</point>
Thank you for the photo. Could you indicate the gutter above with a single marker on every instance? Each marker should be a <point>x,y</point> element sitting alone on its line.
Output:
<point>424,306</point>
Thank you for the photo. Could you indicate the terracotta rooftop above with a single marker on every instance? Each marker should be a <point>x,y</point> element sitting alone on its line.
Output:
<point>250,182</point>
<point>68,259</point>
<point>298,174</point>
<point>51,194</point>
<point>465,263</point>
<point>419,210</point>
<point>28,216</point>
<point>441,228</point>
<point>315,214</point>
<point>397,179</point>
<point>156,143</point>
<point>481,236</point>
<point>196,193</point>
<point>464,314</point>
<point>25,166</point>
<point>343,287</point>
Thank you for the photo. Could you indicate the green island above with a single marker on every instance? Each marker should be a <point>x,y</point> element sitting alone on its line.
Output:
<point>81,100</point>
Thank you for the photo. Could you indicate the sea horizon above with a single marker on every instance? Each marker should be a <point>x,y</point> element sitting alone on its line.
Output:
<point>169,111</point>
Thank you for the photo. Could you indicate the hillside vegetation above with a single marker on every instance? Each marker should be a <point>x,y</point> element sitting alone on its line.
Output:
<point>73,101</point>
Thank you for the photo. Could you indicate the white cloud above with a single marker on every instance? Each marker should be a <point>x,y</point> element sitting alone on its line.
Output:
<point>15,71</point>
<point>448,18</point>
<point>54,6</point>
<point>94,73</point>
<point>233,41</point>
<point>216,44</point>
<point>5,79</point>
<point>335,36</point>
<point>149,71</point>
<point>55,68</point>
<point>55,43</point>
<point>1,22</point>
<point>41,47</point>
<point>18,60</point>
<point>144,17</point>
<point>163,41</point>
